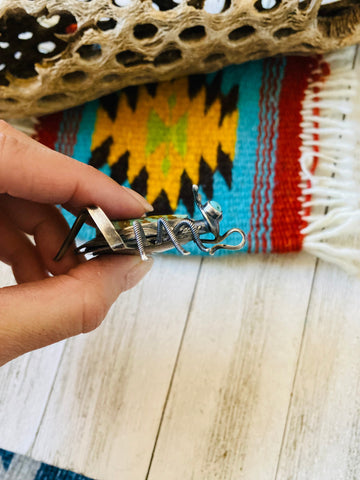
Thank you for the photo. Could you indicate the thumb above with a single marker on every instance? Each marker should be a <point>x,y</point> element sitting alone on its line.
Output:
<point>37,314</point>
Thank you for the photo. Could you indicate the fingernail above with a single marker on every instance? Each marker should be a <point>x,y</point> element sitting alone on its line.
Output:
<point>144,203</point>
<point>137,272</point>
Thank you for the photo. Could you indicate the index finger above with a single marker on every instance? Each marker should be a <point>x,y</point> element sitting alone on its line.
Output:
<point>37,314</point>
<point>31,171</point>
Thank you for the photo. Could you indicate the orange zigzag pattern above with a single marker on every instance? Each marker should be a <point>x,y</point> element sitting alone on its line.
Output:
<point>181,150</point>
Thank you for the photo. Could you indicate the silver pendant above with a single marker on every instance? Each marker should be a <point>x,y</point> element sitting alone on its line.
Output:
<point>151,234</point>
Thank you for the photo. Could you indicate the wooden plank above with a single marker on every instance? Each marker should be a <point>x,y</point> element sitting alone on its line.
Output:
<point>227,408</point>
<point>322,437</point>
<point>107,400</point>
<point>25,385</point>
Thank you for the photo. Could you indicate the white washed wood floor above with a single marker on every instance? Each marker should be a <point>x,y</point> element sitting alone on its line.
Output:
<point>244,367</point>
<point>239,368</point>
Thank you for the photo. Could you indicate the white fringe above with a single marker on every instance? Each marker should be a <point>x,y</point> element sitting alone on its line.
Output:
<point>331,195</point>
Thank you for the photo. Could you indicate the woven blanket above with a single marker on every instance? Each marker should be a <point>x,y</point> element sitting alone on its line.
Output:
<point>272,141</point>
<point>19,467</point>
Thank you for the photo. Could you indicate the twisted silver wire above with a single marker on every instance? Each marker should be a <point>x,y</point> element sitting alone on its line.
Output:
<point>191,225</point>
<point>139,237</point>
<point>164,225</point>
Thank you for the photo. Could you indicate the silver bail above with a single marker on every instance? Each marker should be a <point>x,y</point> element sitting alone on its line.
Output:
<point>211,211</point>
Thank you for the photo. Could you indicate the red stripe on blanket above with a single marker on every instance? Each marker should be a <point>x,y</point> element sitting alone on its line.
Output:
<point>273,112</point>
<point>287,222</point>
<point>68,133</point>
<point>266,91</point>
<point>258,235</point>
<point>256,180</point>
<point>59,130</point>
<point>320,73</point>
<point>47,129</point>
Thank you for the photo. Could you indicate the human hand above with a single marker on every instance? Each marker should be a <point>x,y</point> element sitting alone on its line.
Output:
<point>55,300</point>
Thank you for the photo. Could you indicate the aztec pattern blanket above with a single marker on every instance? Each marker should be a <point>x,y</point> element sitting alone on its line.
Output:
<point>270,140</point>
<point>19,467</point>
